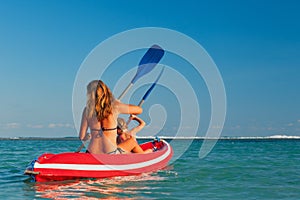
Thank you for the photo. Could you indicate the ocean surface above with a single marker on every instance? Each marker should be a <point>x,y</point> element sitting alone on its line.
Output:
<point>234,169</point>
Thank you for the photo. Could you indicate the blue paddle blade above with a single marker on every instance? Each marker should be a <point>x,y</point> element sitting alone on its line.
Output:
<point>149,61</point>
<point>153,85</point>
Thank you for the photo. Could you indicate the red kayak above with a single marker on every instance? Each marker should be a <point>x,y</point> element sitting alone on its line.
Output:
<point>64,166</point>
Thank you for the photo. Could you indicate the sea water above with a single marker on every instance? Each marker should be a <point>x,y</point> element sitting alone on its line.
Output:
<point>234,169</point>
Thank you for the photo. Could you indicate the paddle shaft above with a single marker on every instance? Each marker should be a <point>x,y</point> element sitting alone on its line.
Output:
<point>81,146</point>
<point>148,92</point>
<point>125,91</point>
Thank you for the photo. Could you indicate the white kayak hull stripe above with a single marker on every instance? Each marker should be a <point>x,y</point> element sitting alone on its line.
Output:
<point>95,167</point>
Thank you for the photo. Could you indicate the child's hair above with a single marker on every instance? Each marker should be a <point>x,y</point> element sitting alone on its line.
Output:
<point>122,124</point>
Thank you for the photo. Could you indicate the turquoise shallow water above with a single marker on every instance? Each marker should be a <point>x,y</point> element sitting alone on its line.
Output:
<point>235,169</point>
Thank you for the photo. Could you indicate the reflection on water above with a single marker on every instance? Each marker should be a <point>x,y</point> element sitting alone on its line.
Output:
<point>109,188</point>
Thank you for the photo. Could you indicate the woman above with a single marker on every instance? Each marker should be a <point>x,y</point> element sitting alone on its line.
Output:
<point>100,116</point>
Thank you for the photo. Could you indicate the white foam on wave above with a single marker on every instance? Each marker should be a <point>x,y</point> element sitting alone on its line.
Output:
<point>226,137</point>
<point>284,137</point>
<point>14,138</point>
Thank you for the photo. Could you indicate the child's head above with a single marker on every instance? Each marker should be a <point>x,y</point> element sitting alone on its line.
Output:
<point>122,126</point>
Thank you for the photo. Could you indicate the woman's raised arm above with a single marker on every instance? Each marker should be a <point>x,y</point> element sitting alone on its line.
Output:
<point>127,108</point>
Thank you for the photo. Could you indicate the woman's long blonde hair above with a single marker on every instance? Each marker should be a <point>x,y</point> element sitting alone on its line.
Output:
<point>99,100</point>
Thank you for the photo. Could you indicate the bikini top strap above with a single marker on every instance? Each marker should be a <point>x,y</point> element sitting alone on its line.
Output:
<point>96,130</point>
<point>109,129</point>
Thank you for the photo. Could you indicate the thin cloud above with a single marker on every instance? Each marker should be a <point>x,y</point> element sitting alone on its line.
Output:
<point>35,126</point>
<point>12,125</point>
<point>219,127</point>
<point>60,125</point>
<point>236,127</point>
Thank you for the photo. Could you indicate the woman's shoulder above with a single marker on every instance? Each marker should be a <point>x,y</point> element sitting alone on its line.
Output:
<point>84,111</point>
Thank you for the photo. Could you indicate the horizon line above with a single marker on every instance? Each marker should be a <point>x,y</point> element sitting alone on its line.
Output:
<point>170,137</point>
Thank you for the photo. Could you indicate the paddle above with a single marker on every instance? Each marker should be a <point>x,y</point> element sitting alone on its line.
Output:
<point>149,91</point>
<point>81,146</point>
<point>147,63</point>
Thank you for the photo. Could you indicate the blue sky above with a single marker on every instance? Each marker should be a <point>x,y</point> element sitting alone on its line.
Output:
<point>255,44</point>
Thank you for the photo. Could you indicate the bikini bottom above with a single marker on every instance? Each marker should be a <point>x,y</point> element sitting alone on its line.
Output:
<point>117,151</point>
